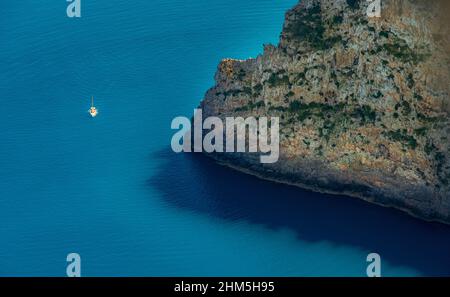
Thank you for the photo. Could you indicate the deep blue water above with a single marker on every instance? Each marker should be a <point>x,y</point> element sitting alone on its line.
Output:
<point>111,189</point>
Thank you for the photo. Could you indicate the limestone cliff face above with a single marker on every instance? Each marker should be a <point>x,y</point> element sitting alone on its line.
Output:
<point>363,102</point>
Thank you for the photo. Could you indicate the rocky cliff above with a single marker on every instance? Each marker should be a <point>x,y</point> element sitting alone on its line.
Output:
<point>363,102</point>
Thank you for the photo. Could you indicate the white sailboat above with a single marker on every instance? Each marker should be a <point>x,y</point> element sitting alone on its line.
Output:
<point>93,111</point>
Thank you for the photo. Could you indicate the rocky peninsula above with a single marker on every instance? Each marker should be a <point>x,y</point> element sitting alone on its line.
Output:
<point>363,102</point>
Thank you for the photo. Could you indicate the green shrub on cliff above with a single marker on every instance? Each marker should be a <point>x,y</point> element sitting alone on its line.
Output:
<point>337,19</point>
<point>276,80</point>
<point>398,48</point>
<point>251,106</point>
<point>304,111</point>
<point>403,137</point>
<point>310,28</point>
<point>365,113</point>
<point>354,4</point>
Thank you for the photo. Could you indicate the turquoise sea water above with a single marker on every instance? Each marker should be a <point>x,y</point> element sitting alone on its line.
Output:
<point>111,189</point>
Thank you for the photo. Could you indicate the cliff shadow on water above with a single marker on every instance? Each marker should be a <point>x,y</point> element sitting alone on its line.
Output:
<point>196,183</point>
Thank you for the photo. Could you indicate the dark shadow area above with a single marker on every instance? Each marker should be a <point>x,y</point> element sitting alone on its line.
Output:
<point>196,183</point>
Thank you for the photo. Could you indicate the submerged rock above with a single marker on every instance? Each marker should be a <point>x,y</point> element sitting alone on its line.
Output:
<point>363,102</point>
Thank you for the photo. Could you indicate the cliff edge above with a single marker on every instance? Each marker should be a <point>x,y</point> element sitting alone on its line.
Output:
<point>363,102</point>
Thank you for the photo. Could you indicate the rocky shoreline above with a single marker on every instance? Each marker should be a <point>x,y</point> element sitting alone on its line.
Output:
<point>362,192</point>
<point>364,103</point>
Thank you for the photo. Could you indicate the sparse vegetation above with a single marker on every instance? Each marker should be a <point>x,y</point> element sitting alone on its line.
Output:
<point>430,120</point>
<point>418,97</point>
<point>354,4</point>
<point>319,109</point>
<point>337,19</point>
<point>384,34</point>
<point>277,79</point>
<point>410,80</point>
<point>310,28</point>
<point>421,131</point>
<point>398,48</point>
<point>406,108</point>
<point>257,89</point>
<point>241,74</point>
<point>378,95</point>
<point>251,106</point>
<point>366,114</point>
<point>403,137</point>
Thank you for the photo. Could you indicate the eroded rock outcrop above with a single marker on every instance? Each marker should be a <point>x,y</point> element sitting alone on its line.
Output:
<point>363,102</point>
